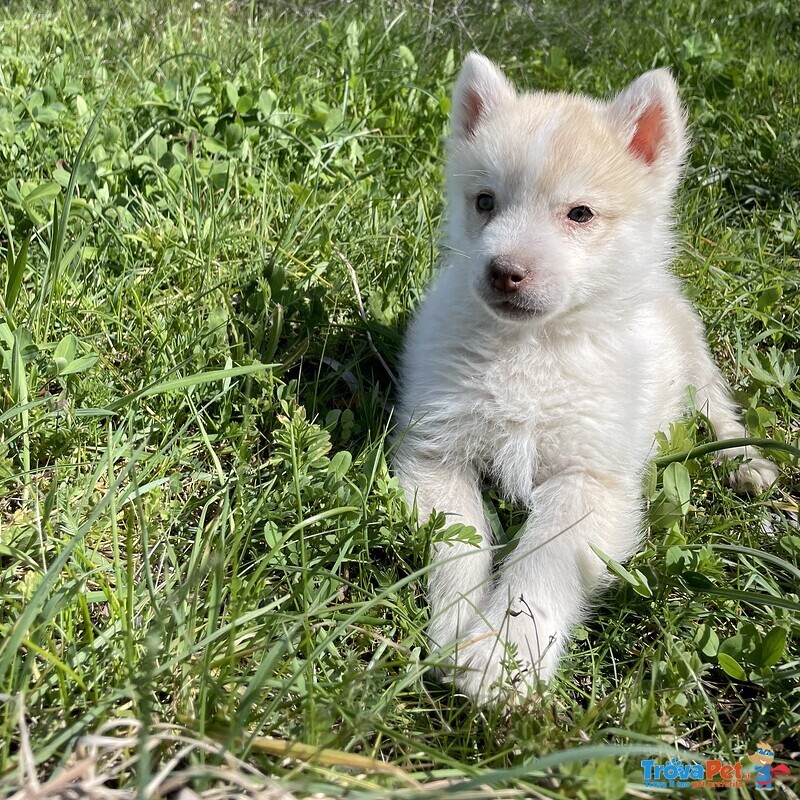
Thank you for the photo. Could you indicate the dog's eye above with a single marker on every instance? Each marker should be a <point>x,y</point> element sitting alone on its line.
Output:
<point>580,214</point>
<point>484,203</point>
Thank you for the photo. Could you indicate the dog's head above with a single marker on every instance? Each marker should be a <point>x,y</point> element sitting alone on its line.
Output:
<point>557,201</point>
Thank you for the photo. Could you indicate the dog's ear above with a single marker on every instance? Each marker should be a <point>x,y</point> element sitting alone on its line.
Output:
<point>481,87</point>
<point>652,121</point>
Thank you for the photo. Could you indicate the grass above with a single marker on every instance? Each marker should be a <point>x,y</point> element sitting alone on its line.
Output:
<point>198,523</point>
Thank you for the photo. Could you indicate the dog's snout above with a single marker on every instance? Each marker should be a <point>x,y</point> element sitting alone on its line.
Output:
<point>506,276</point>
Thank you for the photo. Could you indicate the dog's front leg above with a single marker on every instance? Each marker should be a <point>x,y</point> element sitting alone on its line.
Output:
<point>547,582</point>
<point>460,573</point>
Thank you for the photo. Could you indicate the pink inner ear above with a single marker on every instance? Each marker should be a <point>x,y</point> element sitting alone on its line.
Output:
<point>471,110</point>
<point>649,134</point>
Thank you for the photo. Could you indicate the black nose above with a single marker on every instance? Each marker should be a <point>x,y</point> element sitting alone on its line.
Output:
<point>506,276</point>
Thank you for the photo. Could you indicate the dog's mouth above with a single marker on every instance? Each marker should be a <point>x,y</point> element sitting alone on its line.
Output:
<point>514,306</point>
<point>513,309</point>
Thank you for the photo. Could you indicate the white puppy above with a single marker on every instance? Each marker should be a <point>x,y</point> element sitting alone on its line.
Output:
<point>551,346</point>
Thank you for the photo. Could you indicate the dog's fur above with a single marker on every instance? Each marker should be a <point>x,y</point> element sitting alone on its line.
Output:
<point>547,353</point>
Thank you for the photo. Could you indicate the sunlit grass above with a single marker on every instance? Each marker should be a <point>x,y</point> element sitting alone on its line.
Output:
<point>198,520</point>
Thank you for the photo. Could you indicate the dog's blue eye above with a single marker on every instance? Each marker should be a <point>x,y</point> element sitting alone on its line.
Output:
<point>580,214</point>
<point>484,202</point>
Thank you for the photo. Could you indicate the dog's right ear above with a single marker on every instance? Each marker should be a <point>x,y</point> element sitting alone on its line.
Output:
<point>481,87</point>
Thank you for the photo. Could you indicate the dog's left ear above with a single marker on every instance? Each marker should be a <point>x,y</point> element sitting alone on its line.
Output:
<point>652,121</point>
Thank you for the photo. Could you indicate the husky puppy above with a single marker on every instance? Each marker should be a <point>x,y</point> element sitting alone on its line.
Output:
<point>552,344</point>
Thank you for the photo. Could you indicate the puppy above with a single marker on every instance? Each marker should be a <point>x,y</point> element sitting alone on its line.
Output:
<point>553,343</point>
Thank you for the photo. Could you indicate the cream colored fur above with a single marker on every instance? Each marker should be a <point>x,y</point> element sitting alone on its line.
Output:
<point>558,402</point>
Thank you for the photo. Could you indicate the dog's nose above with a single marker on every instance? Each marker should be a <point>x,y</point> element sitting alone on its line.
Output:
<point>506,276</point>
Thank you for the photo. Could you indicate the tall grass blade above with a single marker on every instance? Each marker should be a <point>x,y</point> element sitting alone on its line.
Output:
<point>60,222</point>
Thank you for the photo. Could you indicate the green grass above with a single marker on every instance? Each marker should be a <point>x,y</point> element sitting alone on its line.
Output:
<point>198,521</point>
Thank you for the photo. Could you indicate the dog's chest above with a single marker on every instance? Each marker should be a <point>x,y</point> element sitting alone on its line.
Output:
<point>524,410</point>
<point>513,396</point>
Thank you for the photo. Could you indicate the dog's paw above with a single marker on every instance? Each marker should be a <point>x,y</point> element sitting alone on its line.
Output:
<point>753,476</point>
<point>489,670</point>
<point>445,631</point>
<point>505,664</point>
<point>449,625</point>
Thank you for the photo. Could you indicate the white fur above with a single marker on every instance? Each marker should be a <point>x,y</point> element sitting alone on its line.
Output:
<point>558,407</point>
